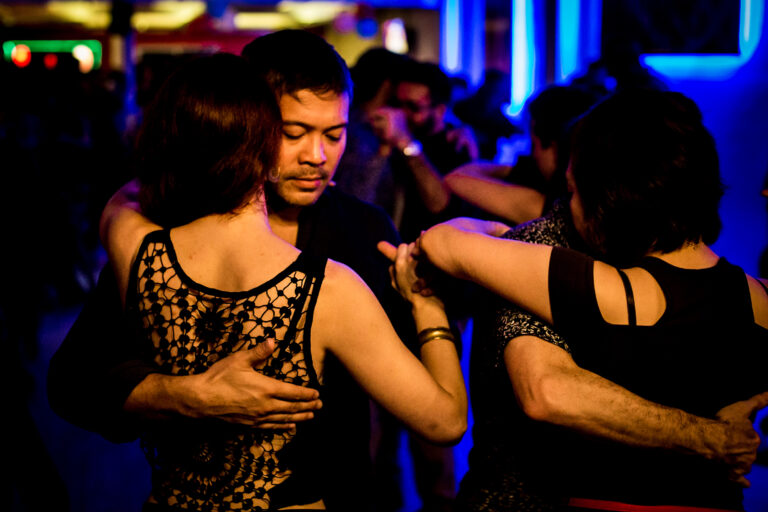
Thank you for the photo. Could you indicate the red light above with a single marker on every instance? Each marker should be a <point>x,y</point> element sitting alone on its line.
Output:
<point>21,55</point>
<point>50,60</point>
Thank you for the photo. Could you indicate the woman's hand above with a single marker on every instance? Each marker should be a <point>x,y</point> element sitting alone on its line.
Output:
<point>407,271</point>
<point>444,244</point>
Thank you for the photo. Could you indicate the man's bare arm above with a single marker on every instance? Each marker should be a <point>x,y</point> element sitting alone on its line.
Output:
<point>513,203</point>
<point>550,387</point>
<point>393,131</point>
<point>230,390</point>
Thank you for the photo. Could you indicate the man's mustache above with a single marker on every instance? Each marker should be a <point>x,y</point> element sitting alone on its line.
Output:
<point>312,173</point>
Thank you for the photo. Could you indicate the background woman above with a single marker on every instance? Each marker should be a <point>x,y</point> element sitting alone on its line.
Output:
<point>680,326</point>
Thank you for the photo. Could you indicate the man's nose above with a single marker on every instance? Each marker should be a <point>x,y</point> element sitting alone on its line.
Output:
<point>314,151</point>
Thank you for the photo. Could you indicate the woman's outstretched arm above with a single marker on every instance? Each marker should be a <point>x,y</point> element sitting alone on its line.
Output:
<point>426,393</point>
<point>122,228</point>
<point>470,249</point>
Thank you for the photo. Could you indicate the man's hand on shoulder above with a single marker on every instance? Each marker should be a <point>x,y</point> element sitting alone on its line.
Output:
<point>230,390</point>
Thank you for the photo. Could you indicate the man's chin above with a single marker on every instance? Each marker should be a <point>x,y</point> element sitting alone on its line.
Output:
<point>296,198</point>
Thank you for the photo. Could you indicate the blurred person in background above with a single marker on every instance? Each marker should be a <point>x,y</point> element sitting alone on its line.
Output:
<point>526,190</point>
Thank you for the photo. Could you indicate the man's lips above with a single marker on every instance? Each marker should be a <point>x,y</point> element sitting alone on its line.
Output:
<point>308,181</point>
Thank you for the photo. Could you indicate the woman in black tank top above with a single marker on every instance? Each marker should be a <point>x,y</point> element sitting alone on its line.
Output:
<point>671,321</point>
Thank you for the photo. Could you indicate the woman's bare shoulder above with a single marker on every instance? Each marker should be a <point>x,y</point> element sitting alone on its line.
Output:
<point>759,298</point>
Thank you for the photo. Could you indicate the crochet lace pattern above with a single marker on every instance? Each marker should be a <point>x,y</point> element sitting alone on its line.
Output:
<point>215,465</point>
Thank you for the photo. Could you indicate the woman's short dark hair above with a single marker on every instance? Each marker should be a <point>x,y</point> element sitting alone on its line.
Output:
<point>207,141</point>
<point>647,172</point>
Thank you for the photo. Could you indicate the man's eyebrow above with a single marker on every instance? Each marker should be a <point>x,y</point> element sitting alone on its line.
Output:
<point>309,127</point>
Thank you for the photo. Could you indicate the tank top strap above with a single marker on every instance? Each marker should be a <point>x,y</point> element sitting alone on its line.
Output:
<point>631,311</point>
<point>312,263</point>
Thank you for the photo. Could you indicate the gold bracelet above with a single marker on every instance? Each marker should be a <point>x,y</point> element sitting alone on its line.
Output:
<point>433,333</point>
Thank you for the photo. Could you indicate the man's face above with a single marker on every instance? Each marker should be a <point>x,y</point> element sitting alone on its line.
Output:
<point>416,101</point>
<point>545,158</point>
<point>314,138</point>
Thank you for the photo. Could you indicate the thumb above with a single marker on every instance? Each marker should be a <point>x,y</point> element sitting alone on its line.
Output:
<point>387,249</point>
<point>756,403</point>
<point>261,352</point>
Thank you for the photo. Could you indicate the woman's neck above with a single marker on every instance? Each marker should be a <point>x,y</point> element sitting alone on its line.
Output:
<point>696,255</point>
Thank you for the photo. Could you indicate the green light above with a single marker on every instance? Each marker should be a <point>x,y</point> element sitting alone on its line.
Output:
<point>55,46</point>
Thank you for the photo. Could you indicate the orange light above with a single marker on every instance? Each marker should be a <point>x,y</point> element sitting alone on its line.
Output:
<point>84,56</point>
<point>50,60</point>
<point>21,55</point>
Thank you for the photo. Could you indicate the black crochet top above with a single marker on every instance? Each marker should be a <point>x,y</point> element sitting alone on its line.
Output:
<point>187,327</point>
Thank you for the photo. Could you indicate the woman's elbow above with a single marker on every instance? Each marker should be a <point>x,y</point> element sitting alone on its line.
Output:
<point>448,431</point>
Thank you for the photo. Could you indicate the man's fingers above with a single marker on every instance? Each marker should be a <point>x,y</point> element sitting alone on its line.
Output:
<point>299,397</point>
<point>757,402</point>
<point>738,475</point>
<point>744,409</point>
<point>387,249</point>
<point>260,352</point>
<point>285,419</point>
<point>291,427</point>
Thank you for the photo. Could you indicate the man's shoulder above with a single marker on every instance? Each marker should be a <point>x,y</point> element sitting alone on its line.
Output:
<point>352,210</point>
<point>351,220</point>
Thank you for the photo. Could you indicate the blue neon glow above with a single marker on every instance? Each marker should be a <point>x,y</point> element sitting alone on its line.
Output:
<point>523,55</point>
<point>450,56</point>
<point>715,67</point>
<point>591,38</point>
<point>568,32</point>
<point>474,42</point>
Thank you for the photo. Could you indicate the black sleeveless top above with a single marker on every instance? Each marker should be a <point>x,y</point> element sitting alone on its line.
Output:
<point>186,327</point>
<point>704,353</point>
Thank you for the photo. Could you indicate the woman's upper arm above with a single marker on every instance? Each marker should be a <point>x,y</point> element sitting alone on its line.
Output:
<point>759,301</point>
<point>122,228</point>
<point>350,323</point>
<point>517,271</point>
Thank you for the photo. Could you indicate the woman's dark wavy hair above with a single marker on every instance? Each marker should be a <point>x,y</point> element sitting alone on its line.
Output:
<point>647,173</point>
<point>206,141</point>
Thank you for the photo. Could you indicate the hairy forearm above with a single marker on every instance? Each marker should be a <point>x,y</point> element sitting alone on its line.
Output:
<point>160,396</point>
<point>584,401</point>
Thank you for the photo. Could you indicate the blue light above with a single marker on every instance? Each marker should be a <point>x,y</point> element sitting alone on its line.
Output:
<point>451,50</point>
<point>523,55</point>
<point>367,28</point>
<point>568,25</point>
<point>715,67</point>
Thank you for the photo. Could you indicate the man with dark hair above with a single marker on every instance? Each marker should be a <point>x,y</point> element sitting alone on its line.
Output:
<point>313,90</point>
<point>422,145</point>
<point>528,189</point>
